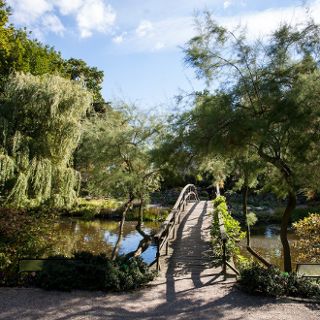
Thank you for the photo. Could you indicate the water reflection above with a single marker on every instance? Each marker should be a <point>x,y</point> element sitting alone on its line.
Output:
<point>266,241</point>
<point>101,237</point>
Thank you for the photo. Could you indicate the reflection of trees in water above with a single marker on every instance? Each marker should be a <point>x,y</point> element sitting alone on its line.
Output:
<point>70,235</point>
<point>144,242</point>
<point>266,241</point>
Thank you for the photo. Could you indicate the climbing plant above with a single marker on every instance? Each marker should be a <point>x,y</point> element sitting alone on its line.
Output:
<point>232,229</point>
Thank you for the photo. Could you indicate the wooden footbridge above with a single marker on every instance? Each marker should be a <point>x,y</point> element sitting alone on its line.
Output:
<point>184,240</point>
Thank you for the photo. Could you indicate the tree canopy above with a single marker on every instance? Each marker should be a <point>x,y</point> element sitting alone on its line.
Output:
<point>40,125</point>
<point>266,101</point>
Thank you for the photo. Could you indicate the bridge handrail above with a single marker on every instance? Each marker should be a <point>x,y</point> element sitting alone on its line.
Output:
<point>167,228</point>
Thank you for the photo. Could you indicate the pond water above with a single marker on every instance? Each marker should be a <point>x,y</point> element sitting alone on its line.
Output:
<point>266,241</point>
<point>100,236</point>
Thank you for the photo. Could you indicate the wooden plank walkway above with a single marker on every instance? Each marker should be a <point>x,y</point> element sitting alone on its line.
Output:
<point>189,262</point>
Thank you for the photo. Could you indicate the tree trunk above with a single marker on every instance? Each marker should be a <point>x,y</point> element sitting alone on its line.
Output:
<point>217,189</point>
<point>140,221</point>
<point>245,192</point>
<point>120,235</point>
<point>291,204</point>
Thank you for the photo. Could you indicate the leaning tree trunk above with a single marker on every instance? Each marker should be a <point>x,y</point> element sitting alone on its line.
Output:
<point>287,174</point>
<point>245,192</point>
<point>120,235</point>
<point>291,204</point>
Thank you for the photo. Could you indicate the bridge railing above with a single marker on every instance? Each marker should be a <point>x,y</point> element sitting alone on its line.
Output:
<point>167,230</point>
<point>224,240</point>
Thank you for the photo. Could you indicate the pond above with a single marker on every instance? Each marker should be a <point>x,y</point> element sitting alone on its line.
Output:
<point>266,241</point>
<point>100,236</point>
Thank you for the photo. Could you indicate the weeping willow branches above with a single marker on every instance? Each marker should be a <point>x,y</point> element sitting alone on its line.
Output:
<point>40,128</point>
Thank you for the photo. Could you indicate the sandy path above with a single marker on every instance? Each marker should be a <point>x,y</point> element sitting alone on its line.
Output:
<point>189,289</point>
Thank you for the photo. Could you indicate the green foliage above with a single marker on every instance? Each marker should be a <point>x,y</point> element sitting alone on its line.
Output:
<point>93,272</point>
<point>40,125</point>
<point>251,219</point>
<point>22,235</point>
<point>20,53</point>
<point>149,214</point>
<point>272,282</point>
<point>266,105</point>
<point>308,231</point>
<point>90,208</point>
<point>114,156</point>
<point>232,229</point>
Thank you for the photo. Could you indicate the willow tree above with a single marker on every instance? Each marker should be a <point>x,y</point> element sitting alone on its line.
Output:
<point>40,125</point>
<point>268,100</point>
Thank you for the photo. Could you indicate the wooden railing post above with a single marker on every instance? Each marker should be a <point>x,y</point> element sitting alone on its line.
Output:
<point>158,254</point>
<point>224,258</point>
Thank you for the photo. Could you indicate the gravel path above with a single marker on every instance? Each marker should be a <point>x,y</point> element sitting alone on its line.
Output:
<point>190,288</point>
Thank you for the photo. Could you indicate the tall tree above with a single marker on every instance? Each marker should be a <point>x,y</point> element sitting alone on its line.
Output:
<point>267,100</point>
<point>19,52</point>
<point>40,125</point>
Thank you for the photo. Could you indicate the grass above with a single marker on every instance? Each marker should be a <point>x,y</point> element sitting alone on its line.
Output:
<point>112,209</point>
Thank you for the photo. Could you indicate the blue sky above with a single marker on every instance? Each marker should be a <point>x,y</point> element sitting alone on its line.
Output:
<point>137,43</point>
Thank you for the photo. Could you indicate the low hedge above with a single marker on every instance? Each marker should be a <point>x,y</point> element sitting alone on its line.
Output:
<point>256,279</point>
<point>93,272</point>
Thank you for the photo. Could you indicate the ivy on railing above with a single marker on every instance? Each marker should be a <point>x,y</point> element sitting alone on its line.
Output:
<point>226,232</point>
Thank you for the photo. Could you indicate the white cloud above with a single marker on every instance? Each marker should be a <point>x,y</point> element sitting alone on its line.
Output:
<point>159,46</point>
<point>144,28</point>
<point>53,23</point>
<point>264,22</point>
<point>159,35</point>
<point>68,6</point>
<point>95,15</point>
<point>27,11</point>
<point>169,34</point>
<point>41,15</point>
<point>226,4</point>
<point>119,38</point>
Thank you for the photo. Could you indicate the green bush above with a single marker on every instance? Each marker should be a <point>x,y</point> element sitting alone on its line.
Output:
<point>93,272</point>
<point>232,228</point>
<point>308,232</point>
<point>256,279</point>
<point>23,234</point>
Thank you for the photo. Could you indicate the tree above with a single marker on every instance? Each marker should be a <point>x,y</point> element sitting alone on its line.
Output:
<point>40,125</point>
<point>267,100</point>
<point>20,53</point>
<point>78,69</point>
<point>115,159</point>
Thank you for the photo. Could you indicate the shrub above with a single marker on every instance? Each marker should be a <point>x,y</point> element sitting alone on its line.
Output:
<point>272,282</point>
<point>23,234</point>
<point>93,272</point>
<point>308,231</point>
